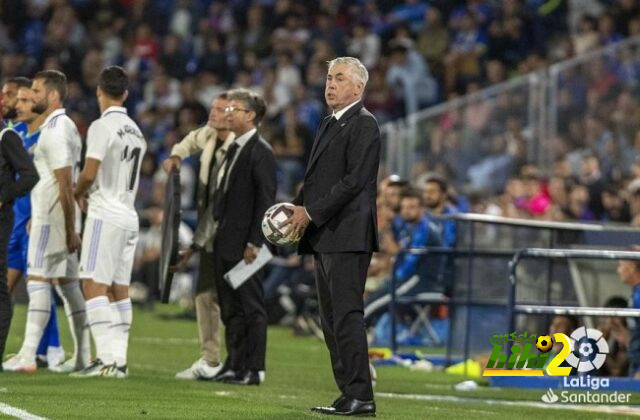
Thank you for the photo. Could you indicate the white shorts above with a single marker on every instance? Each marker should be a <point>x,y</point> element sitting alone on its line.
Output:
<point>107,253</point>
<point>47,256</point>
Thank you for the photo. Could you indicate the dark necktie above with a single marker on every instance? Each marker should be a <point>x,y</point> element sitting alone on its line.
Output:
<point>218,196</point>
<point>323,136</point>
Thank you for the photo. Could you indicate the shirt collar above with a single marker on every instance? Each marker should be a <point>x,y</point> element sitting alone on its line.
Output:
<point>57,112</point>
<point>120,109</point>
<point>243,139</point>
<point>339,114</point>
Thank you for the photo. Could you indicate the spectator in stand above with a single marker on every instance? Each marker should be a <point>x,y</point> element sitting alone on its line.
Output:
<point>410,78</point>
<point>465,52</point>
<point>411,229</point>
<point>433,41</point>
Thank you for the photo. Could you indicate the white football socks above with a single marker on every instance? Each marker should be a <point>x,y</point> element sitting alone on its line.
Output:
<point>100,320</point>
<point>121,318</point>
<point>39,310</point>
<point>74,307</point>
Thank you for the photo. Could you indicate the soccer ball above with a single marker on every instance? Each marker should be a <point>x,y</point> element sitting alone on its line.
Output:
<point>272,220</point>
<point>544,343</point>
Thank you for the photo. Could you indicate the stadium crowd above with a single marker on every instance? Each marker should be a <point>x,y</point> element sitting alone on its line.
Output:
<point>181,54</point>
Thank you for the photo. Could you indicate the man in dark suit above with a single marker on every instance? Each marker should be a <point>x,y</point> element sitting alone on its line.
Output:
<point>246,188</point>
<point>17,177</point>
<point>336,215</point>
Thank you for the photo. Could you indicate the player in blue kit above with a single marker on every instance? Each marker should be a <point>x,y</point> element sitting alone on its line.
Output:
<point>17,103</point>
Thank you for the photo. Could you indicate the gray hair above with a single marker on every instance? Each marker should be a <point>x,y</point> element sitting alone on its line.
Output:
<point>358,69</point>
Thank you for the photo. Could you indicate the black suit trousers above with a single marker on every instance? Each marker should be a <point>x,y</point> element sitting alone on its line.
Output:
<point>244,316</point>
<point>340,279</point>
<point>6,309</point>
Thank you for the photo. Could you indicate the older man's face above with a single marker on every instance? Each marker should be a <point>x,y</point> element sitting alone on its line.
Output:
<point>342,87</point>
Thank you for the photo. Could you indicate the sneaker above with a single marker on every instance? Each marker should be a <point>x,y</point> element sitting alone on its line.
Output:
<point>188,372</point>
<point>199,370</point>
<point>203,371</point>
<point>121,372</point>
<point>18,363</point>
<point>94,369</point>
<point>109,371</point>
<point>71,365</point>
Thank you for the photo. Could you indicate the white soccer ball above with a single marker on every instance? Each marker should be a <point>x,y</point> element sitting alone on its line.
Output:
<point>272,220</point>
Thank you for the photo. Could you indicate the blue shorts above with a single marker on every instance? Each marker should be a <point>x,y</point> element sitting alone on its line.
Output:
<point>18,247</point>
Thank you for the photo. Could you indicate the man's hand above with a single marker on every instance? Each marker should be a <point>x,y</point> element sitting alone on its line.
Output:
<point>170,163</point>
<point>73,242</point>
<point>250,253</point>
<point>183,259</point>
<point>297,223</point>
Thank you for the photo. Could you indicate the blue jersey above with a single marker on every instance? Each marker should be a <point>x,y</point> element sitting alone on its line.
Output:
<point>20,127</point>
<point>22,205</point>
<point>420,234</point>
<point>449,228</point>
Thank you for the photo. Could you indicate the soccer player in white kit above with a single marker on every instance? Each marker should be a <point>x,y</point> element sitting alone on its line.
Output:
<point>54,241</point>
<point>115,148</point>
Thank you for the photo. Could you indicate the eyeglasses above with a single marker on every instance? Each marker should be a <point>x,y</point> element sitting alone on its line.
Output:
<point>233,108</point>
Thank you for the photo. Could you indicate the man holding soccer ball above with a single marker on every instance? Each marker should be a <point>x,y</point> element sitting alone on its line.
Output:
<point>335,215</point>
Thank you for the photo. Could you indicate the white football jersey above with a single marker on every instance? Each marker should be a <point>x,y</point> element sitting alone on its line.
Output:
<point>59,146</point>
<point>117,142</point>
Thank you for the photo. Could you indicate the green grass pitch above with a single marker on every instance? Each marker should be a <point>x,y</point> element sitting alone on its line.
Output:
<point>298,377</point>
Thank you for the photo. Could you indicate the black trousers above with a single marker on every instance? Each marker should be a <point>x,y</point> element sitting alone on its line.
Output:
<point>244,316</point>
<point>6,309</point>
<point>340,279</point>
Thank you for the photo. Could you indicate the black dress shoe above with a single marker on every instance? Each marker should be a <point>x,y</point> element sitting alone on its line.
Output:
<point>324,410</point>
<point>332,408</point>
<point>352,407</point>
<point>250,377</point>
<point>339,400</point>
<point>225,375</point>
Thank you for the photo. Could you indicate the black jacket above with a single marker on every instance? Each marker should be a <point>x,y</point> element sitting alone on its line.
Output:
<point>17,173</point>
<point>340,186</point>
<point>251,190</point>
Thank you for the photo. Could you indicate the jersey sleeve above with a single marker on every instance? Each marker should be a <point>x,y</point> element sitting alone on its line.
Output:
<point>58,148</point>
<point>97,141</point>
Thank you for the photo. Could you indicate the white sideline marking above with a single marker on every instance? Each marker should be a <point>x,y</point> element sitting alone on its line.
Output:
<point>18,413</point>
<point>593,408</point>
<point>222,393</point>
<point>168,340</point>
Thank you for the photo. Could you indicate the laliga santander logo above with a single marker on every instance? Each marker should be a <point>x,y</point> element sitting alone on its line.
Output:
<point>585,350</point>
<point>591,349</point>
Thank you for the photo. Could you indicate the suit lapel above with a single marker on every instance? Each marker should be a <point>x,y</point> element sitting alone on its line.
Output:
<point>205,161</point>
<point>324,139</point>
<point>321,129</point>
<point>240,161</point>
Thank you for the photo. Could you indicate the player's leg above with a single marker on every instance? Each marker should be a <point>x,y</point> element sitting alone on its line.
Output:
<point>101,249</point>
<point>16,257</point>
<point>40,265</point>
<point>54,350</point>
<point>68,289</point>
<point>122,314</point>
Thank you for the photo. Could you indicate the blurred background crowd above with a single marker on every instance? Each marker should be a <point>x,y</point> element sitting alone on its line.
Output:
<point>181,53</point>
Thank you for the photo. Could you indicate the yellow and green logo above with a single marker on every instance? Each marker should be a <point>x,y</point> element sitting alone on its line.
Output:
<point>523,360</point>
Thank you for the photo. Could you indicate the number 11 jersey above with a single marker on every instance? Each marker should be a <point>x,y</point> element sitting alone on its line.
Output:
<point>117,142</point>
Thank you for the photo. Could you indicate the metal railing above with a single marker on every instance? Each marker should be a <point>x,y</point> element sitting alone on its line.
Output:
<point>559,233</point>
